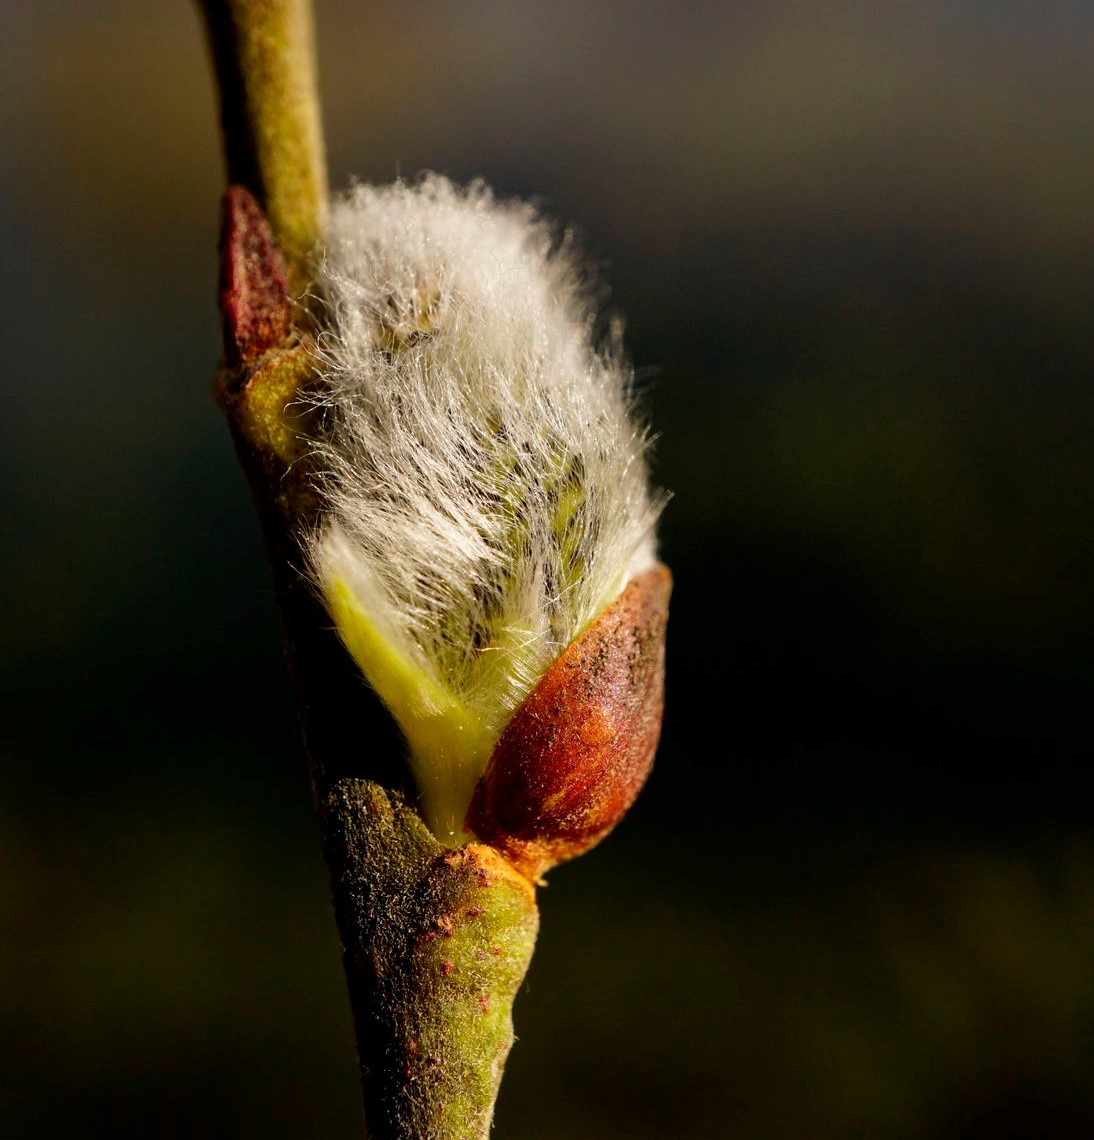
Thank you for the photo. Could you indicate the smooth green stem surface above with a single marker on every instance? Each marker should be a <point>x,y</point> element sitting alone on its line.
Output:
<point>264,55</point>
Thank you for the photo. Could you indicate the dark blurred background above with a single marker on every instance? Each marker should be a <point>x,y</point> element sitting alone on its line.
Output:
<point>854,243</point>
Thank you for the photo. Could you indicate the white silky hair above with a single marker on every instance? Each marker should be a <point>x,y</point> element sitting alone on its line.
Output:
<point>483,474</point>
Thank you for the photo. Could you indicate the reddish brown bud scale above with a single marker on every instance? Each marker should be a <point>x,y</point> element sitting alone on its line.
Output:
<point>578,750</point>
<point>254,291</point>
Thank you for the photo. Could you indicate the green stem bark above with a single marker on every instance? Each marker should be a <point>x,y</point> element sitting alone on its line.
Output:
<point>436,942</point>
<point>264,55</point>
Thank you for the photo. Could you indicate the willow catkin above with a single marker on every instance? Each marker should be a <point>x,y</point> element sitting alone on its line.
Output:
<point>483,474</point>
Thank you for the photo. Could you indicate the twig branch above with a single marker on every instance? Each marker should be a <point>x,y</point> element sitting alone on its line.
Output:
<point>436,942</point>
<point>263,52</point>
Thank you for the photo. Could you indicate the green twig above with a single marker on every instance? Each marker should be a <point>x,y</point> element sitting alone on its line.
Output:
<point>263,52</point>
<point>436,942</point>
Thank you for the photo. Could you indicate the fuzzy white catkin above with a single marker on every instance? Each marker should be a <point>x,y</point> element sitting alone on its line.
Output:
<point>483,476</point>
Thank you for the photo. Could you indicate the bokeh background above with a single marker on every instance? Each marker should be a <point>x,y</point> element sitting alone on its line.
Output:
<point>854,243</point>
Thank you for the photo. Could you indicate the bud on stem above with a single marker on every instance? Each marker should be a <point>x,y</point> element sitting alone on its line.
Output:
<point>456,463</point>
<point>485,502</point>
<point>577,752</point>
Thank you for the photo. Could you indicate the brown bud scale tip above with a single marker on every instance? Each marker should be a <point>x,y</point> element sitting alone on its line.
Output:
<point>254,291</point>
<point>578,750</point>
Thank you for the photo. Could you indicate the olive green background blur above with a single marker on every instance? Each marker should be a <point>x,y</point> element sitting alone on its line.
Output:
<point>854,244</point>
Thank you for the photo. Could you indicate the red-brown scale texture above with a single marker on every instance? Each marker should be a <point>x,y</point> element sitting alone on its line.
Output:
<point>254,292</point>
<point>578,750</point>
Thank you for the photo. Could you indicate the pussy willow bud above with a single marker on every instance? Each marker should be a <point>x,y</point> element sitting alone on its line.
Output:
<point>486,552</point>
